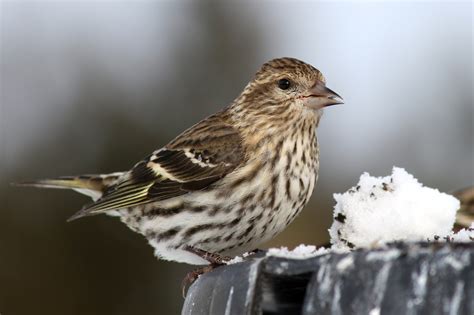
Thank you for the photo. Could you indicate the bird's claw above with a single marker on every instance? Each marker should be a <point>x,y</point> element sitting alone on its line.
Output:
<point>212,258</point>
<point>193,275</point>
<point>215,260</point>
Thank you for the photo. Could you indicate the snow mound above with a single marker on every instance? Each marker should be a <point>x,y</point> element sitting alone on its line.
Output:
<point>392,208</point>
<point>379,210</point>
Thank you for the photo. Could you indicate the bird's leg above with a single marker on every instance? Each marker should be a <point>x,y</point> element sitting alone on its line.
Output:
<point>212,258</point>
<point>192,276</point>
<point>215,260</point>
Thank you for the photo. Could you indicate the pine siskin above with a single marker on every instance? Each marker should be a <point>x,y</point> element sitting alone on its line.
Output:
<point>230,182</point>
<point>465,214</point>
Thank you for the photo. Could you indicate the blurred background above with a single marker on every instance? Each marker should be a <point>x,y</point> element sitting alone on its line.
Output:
<point>95,86</point>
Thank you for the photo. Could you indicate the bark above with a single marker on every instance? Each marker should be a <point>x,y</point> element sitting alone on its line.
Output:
<point>422,278</point>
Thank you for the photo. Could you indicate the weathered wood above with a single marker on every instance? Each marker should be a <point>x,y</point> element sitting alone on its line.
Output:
<point>417,278</point>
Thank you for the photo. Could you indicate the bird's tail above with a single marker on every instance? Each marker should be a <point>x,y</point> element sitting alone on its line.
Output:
<point>91,185</point>
<point>465,215</point>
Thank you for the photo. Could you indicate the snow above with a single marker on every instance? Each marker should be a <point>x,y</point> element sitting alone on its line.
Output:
<point>375,311</point>
<point>235,260</point>
<point>300,252</point>
<point>463,235</point>
<point>392,208</point>
<point>238,259</point>
<point>379,210</point>
<point>345,263</point>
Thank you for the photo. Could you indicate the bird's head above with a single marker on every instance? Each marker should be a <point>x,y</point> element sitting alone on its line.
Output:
<point>287,84</point>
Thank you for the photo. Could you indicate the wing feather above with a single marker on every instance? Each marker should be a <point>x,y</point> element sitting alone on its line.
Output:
<point>193,161</point>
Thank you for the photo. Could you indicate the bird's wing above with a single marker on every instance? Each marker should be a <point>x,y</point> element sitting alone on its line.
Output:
<point>93,185</point>
<point>194,160</point>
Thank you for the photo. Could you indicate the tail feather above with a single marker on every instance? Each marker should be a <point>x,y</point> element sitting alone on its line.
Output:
<point>465,215</point>
<point>91,185</point>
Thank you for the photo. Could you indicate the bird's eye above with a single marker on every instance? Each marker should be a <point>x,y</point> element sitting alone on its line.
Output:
<point>284,84</point>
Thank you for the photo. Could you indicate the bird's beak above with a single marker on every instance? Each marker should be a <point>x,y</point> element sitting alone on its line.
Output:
<point>320,96</point>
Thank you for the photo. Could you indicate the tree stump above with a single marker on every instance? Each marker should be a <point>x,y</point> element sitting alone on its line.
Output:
<point>417,278</point>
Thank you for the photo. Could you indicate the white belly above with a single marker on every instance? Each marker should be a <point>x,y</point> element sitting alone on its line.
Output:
<point>235,221</point>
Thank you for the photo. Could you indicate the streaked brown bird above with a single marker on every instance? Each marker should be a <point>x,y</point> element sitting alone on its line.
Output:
<point>230,182</point>
<point>465,215</point>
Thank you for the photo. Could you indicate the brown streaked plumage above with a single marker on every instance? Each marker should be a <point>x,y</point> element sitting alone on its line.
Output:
<point>228,183</point>
<point>465,215</point>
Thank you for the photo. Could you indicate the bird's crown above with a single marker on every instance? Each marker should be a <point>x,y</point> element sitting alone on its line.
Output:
<point>287,66</point>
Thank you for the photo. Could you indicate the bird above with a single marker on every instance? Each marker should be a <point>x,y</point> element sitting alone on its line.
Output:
<point>227,184</point>
<point>465,214</point>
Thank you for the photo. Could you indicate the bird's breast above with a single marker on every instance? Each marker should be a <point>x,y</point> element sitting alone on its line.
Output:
<point>271,190</point>
<point>247,207</point>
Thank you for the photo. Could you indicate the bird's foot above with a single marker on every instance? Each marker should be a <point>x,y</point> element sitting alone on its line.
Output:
<point>193,275</point>
<point>215,260</point>
<point>212,258</point>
